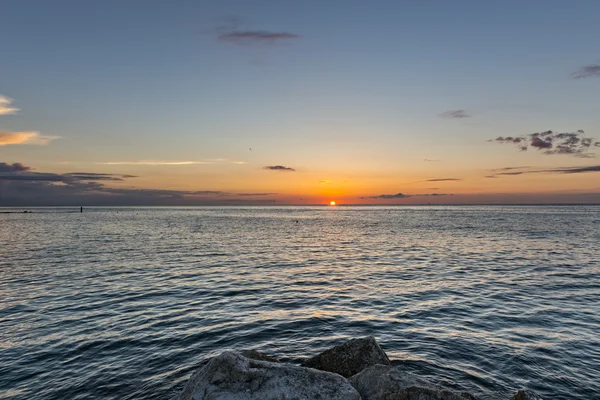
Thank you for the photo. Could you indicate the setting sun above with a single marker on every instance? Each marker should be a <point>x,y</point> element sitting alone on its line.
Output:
<point>332,203</point>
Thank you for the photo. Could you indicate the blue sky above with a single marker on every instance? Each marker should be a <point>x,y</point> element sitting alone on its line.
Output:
<point>354,91</point>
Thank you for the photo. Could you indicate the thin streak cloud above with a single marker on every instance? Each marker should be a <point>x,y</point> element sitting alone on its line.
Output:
<point>6,107</point>
<point>150,162</point>
<point>455,114</point>
<point>279,168</point>
<point>257,36</point>
<point>404,196</point>
<point>32,138</point>
<point>559,170</point>
<point>587,71</point>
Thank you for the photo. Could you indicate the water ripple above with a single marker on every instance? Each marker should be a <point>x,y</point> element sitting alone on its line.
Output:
<point>126,303</point>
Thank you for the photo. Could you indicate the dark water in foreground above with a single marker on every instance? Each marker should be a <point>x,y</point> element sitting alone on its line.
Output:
<point>124,303</point>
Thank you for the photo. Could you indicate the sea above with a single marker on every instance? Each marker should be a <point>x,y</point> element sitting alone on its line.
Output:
<point>125,303</point>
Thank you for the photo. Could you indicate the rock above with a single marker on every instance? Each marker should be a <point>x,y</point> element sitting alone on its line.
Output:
<point>383,382</point>
<point>350,357</point>
<point>257,355</point>
<point>231,376</point>
<point>526,395</point>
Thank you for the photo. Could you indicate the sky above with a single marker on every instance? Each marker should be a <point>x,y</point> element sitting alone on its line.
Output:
<point>147,102</point>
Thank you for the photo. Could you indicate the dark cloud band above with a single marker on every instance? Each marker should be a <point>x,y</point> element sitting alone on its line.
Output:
<point>279,168</point>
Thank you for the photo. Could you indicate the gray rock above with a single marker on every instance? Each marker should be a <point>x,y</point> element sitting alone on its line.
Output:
<point>526,395</point>
<point>257,355</point>
<point>231,376</point>
<point>350,357</point>
<point>382,382</point>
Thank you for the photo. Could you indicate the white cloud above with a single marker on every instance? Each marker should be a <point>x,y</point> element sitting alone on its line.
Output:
<point>155,162</point>
<point>150,162</point>
<point>6,106</point>
<point>7,138</point>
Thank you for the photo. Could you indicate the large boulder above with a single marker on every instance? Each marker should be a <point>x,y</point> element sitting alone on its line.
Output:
<point>350,357</point>
<point>526,395</point>
<point>231,376</point>
<point>257,355</point>
<point>382,382</point>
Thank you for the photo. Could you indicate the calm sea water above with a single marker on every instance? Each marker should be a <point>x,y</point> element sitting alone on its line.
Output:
<point>125,303</point>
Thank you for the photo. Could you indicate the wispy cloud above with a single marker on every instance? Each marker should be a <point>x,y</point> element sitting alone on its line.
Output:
<point>279,168</point>
<point>255,194</point>
<point>257,36</point>
<point>230,31</point>
<point>455,114</point>
<point>549,142</point>
<point>6,107</point>
<point>510,168</point>
<point>34,138</point>
<point>443,180</point>
<point>324,182</point>
<point>512,171</point>
<point>20,172</point>
<point>429,160</point>
<point>388,196</point>
<point>404,196</point>
<point>577,170</point>
<point>154,162</point>
<point>587,71</point>
<point>91,176</point>
<point>15,167</point>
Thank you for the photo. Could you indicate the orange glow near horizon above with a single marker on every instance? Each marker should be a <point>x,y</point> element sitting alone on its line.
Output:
<point>332,203</point>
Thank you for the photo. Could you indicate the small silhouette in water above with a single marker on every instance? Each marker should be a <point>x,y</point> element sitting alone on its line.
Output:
<point>80,209</point>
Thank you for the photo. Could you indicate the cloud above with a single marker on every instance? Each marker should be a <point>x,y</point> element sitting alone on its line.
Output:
<point>7,138</point>
<point>587,71</point>
<point>255,194</point>
<point>512,173</point>
<point>577,170</point>
<point>20,187</point>
<point>91,176</point>
<point>15,167</point>
<point>510,168</point>
<point>389,196</point>
<point>404,196</point>
<point>34,176</point>
<point>559,170</point>
<point>256,36</point>
<point>428,160</point>
<point>324,182</point>
<point>279,168</point>
<point>155,162</point>
<point>6,107</point>
<point>455,114</point>
<point>443,180</point>
<point>549,142</point>
<point>22,174</point>
<point>230,30</point>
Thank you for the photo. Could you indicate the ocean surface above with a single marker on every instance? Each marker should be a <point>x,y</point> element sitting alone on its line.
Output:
<point>124,303</point>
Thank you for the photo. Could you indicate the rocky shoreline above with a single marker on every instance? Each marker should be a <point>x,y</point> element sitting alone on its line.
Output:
<point>357,369</point>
